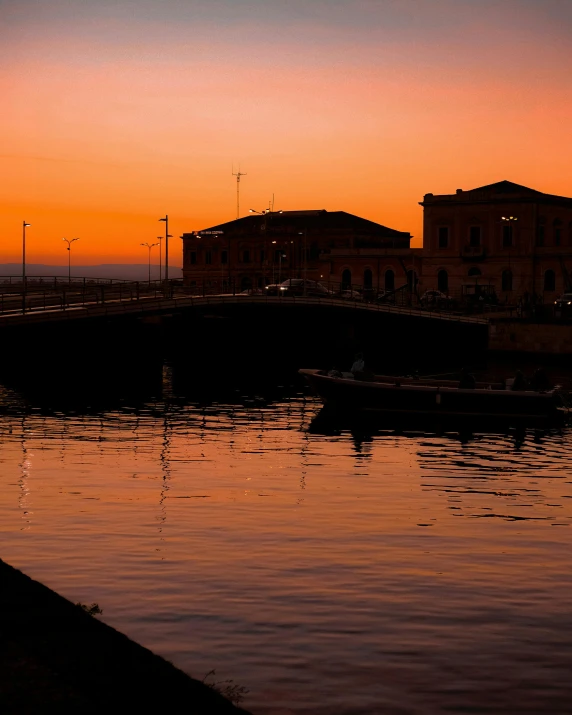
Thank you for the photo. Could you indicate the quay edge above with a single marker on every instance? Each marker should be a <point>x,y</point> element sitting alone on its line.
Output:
<point>54,657</point>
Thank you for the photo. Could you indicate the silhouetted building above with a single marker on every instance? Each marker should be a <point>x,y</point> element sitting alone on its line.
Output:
<point>256,250</point>
<point>504,236</point>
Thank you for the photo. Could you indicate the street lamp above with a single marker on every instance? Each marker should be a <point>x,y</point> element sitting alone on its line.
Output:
<point>160,239</point>
<point>24,225</point>
<point>266,212</point>
<point>508,224</point>
<point>166,220</point>
<point>305,233</point>
<point>281,255</point>
<point>149,246</point>
<point>69,242</point>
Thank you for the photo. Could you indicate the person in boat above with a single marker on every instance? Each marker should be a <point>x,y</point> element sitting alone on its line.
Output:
<point>359,364</point>
<point>467,380</point>
<point>519,382</point>
<point>334,372</point>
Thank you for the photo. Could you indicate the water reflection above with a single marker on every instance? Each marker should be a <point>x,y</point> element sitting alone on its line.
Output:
<point>327,566</point>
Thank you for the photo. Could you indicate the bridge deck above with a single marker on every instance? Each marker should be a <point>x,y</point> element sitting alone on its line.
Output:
<point>158,306</point>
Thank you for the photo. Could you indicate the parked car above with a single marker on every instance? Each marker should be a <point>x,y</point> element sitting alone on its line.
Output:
<point>297,286</point>
<point>475,294</point>
<point>350,294</point>
<point>436,299</point>
<point>385,296</point>
<point>563,306</point>
<point>251,291</point>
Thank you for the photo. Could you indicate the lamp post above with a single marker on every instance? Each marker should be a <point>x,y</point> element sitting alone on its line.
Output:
<point>508,222</point>
<point>305,233</point>
<point>24,225</point>
<point>160,239</point>
<point>266,212</point>
<point>149,246</point>
<point>69,242</point>
<point>166,220</point>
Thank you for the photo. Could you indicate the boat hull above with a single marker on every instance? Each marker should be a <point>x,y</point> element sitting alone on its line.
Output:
<point>394,395</point>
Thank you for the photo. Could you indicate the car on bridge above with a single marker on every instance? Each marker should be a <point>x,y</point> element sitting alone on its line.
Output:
<point>298,287</point>
<point>563,306</point>
<point>436,299</point>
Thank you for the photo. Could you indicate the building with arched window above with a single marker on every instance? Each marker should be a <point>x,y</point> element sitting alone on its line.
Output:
<point>504,237</point>
<point>329,246</point>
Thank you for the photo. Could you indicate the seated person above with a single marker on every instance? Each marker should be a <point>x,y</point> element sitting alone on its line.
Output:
<point>359,365</point>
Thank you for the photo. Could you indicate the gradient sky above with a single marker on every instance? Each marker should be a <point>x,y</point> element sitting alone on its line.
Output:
<point>116,112</point>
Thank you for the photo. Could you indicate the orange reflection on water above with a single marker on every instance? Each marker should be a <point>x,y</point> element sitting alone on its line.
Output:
<point>321,572</point>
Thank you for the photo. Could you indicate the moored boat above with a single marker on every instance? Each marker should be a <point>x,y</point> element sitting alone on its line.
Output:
<point>390,394</point>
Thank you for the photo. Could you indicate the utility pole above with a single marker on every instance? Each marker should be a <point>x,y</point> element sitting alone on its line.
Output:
<point>238,175</point>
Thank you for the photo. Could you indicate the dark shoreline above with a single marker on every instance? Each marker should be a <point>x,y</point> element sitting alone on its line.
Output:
<point>54,657</point>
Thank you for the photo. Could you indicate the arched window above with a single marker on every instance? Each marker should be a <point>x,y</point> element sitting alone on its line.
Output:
<point>412,280</point>
<point>367,278</point>
<point>474,272</point>
<point>507,280</point>
<point>549,281</point>
<point>443,281</point>
<point>346,279</point>
<point>389,282</point>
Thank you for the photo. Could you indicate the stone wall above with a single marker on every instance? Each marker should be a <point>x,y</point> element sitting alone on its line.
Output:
<point>526,337</point>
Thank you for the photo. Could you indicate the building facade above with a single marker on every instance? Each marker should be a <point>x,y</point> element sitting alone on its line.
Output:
<point>261,249</point>
<point>504,237</point>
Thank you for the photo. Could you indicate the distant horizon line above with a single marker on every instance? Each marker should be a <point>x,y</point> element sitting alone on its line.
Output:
<point>80,265</point>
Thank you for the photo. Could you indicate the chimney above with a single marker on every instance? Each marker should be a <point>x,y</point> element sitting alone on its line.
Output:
<point>459,191</point>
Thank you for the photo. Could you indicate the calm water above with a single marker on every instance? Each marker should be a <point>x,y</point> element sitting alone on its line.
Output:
<point>326,574</point>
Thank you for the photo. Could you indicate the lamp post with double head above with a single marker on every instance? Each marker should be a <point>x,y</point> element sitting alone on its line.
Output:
<point>167,237</point>
<point>24,226</point>
<point>268,213</point>
<point>160,239</point>
<point>508,222</point>
<point>149,247</point>
<point>69,242</point>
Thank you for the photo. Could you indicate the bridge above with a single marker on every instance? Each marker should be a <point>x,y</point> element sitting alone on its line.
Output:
<point>103,337</point>
<point>86,301</point>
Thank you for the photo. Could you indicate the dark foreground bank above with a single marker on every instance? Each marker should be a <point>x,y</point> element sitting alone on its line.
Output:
<point>54,657</point>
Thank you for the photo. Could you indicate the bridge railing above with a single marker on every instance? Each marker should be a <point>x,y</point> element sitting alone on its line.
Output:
<point>15,284</point>
<point>402,296</point>
<point>80,295</point>
<point>91,294</point>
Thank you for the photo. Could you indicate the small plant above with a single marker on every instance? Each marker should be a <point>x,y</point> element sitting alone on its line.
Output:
<point>227,688</point>
<point>93,610</point>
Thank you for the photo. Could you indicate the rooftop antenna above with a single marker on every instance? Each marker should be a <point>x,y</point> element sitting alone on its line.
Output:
<point>238,174</point>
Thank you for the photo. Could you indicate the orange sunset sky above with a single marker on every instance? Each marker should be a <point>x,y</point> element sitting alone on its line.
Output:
<point>116,112</point>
